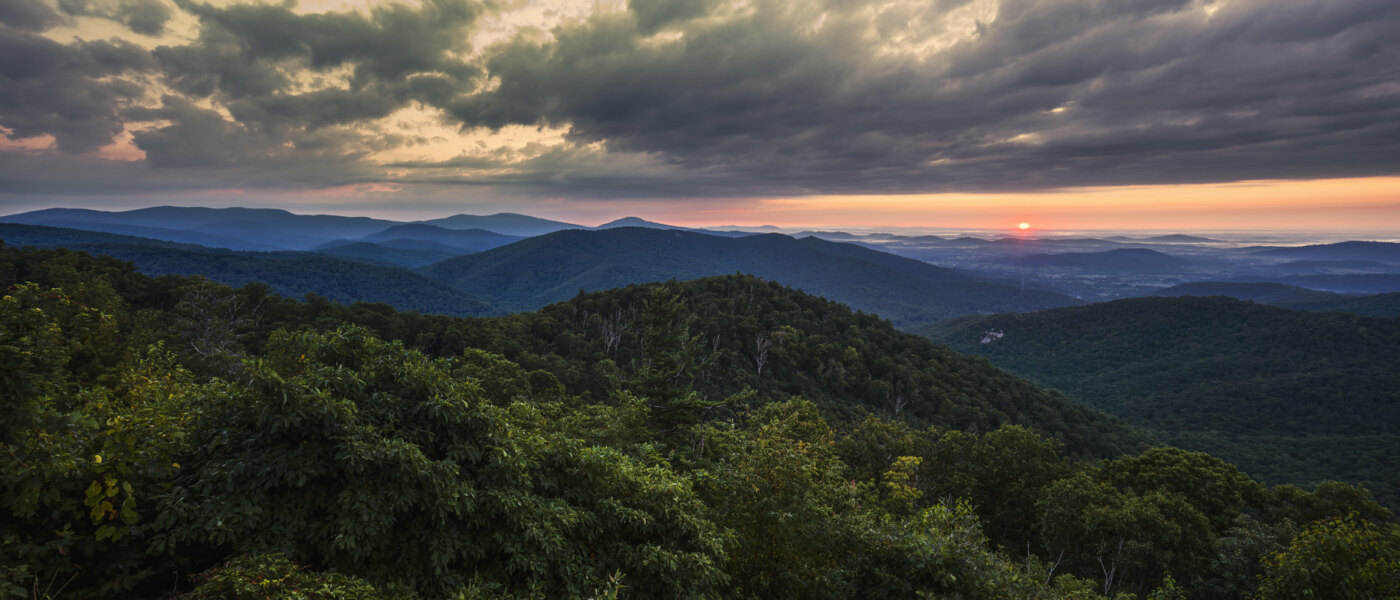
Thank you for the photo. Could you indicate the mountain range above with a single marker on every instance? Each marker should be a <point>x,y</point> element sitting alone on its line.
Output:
<point>534,272</point>
<point>274,229</point>
<point>551,268</point>
<point>948,276</point>
<point>1290,296</point>
<point>1383,252</point>
<point>289,273</point>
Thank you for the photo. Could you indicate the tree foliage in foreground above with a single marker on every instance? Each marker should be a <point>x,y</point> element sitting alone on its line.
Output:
<point>173,437</point>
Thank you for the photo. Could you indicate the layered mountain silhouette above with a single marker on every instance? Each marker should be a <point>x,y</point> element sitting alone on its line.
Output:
<point>471,240</point>
<point>550,268</point>
<point>1385,252</point>
<point>416,244</point>
<point>1289,296</point>
<point>503,223</point>
<point>288,273</point>
<point>534,272</point>
<point>233,228</point>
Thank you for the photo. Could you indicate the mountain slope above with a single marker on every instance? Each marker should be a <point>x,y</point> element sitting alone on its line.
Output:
<point>385,254</point>
<point>640,222</point>
<point>848,363</point>
<point>291,274</point>
<point>1289,296</point>
<point>249,227</point>
<point>1386,252</point>
<point>179,236</point>
<point>1378,283</point>
<point>550,268</point>
<point>503,223</point>
<point>1290,396</point>
<point>469,240</point>
<point>635,222</point>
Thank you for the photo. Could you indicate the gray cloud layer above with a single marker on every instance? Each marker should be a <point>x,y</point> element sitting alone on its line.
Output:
<point>718,99</point>
<point>74,92</point>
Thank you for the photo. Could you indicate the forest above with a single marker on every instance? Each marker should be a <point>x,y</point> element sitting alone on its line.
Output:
<point>1289,396</point>
<point>725,437</point>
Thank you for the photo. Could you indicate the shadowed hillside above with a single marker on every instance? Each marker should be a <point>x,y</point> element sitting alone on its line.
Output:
<point>1290,396</point>
<point>1290,296</point>
<point>288,273</point>
<point>550,268</point>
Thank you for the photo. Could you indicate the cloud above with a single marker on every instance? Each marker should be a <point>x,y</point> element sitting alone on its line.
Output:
<point>708,98</point>
<point>257,49</point>
<point>1096,93</point>
<point>287,78</point>
<point>146,17</point>
<point>1041,93</point>
<point>29,15</point>
<point>75,92</point>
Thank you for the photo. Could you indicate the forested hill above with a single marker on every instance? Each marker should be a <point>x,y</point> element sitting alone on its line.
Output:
<point>531,273</point>
<point>1290,396</point>
<point>534,272</point>
<point>735,334</point>
<point>1387,252</point>
<point>174,438</point>
<point>1290,296</point>
<point>741,334</point>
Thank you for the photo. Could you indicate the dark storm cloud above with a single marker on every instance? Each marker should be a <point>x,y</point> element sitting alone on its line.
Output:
<point>716,98</point>
<point>29,15</point>
<point>1153,91</point>
<point>146,17</point>
<point>198,137</point>
<point>252,59</point>
<point>75,92</point>
<point>253,50</point>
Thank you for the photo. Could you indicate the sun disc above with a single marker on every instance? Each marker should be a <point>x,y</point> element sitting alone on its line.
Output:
<point>1024,226</point>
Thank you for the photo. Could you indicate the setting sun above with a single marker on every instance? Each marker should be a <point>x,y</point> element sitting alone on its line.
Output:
<point>1024,226</point>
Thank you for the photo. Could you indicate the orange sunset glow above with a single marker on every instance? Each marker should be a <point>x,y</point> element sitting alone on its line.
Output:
<point>1370,204</point>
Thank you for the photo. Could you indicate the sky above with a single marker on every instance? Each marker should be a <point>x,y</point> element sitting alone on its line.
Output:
<point>1068,114</point>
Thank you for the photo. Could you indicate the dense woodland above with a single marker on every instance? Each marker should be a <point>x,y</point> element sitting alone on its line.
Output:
<point>724,437</point>
<point>1289,396</point>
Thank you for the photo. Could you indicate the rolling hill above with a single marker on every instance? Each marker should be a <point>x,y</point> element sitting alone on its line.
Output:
<point>467,240</point>
<point>554,267</point>
<point>503,223</point>
<point>234,228</point>
<point>388,254</point>
<point>1290,296</point>
<point>1386,252</point>
<point>1290,396</point>
<point>640,222</point>
<point>1374,283</point>
<point>291,274</point>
